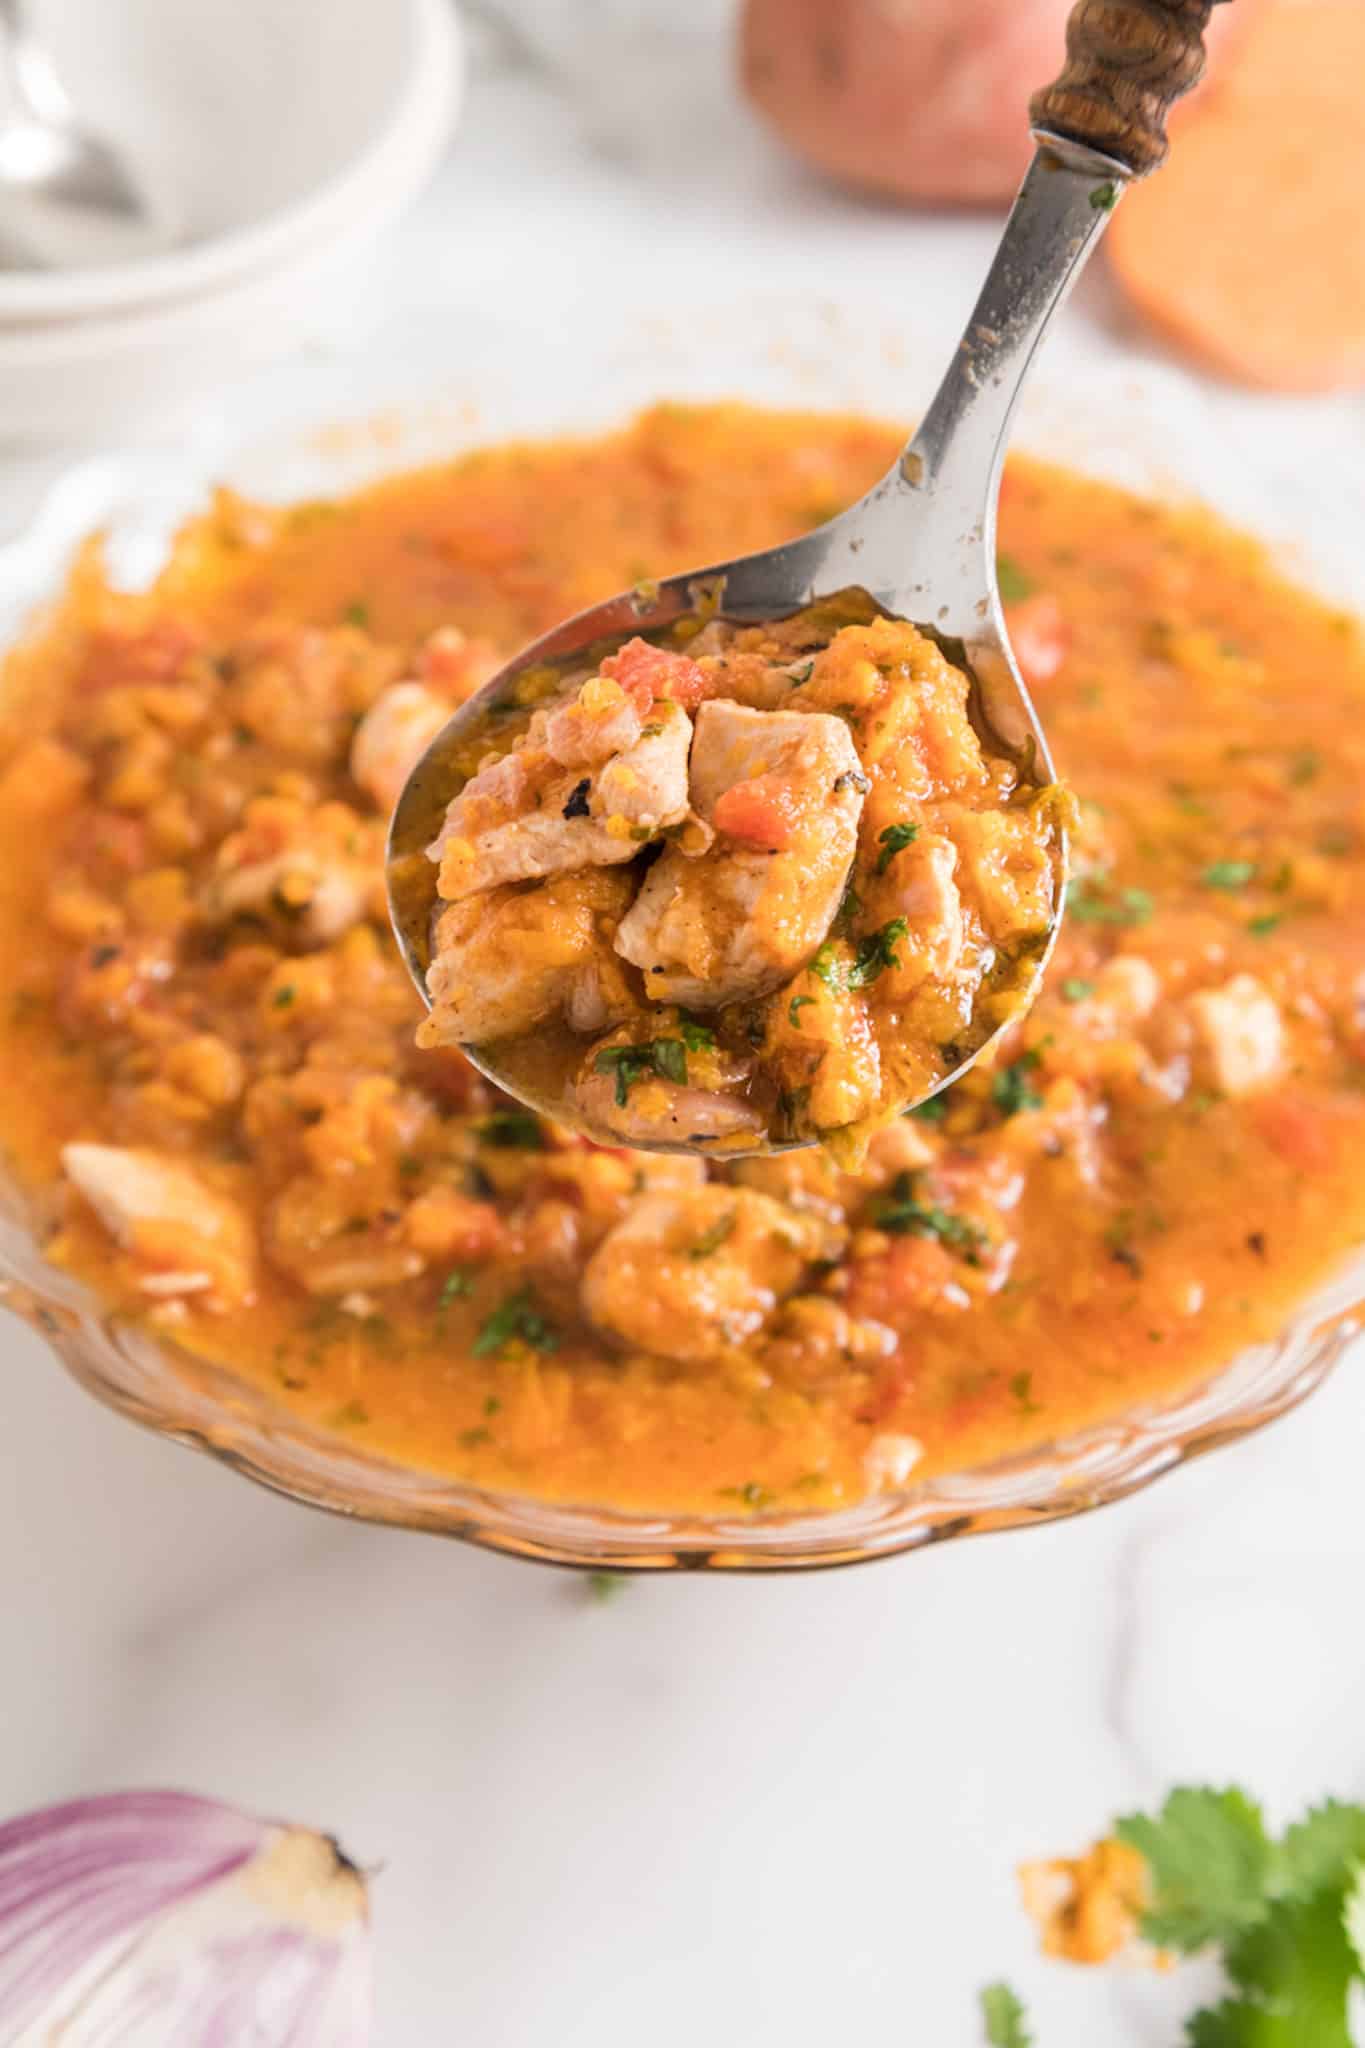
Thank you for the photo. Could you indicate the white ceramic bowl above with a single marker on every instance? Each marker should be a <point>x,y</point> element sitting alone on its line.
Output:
<point>286,133</point>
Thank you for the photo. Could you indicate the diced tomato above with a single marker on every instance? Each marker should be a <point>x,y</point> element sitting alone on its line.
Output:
<point>1039,635</point>
<point>646,673</point>
<point>455,665</point>
<point>762,812</point>
<point>154,655</point>
<point>1299,1130</point>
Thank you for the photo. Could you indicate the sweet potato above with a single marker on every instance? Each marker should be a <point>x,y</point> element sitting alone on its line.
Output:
<point>917,99</point>
<point>1247,250</point>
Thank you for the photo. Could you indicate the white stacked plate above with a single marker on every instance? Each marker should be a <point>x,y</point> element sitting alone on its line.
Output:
<point>283,134</point>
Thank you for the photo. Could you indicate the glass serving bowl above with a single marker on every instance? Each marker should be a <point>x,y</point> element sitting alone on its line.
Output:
<point>1150,429</point>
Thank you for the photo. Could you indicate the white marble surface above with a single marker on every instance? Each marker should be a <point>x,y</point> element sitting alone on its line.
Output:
<point>772,1813</point>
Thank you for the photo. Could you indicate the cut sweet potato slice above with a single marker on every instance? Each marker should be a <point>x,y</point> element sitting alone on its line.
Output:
<point>1246,249</point>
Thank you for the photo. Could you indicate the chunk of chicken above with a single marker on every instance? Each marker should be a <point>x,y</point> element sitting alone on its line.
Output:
<point>183,1236</point>
<point>784,790</point>
<point>661,1112</point>
<point>1240,1033</point>
<point>299,869</point>
<point>503,962</point>
<point>671,1085</point>
<point>919,885</point>
<point>530,815</point>
<point>391,738</point>
<point>688,1275</point>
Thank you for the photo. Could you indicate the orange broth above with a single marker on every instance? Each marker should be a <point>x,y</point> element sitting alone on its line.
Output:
<point>1162,1160</point>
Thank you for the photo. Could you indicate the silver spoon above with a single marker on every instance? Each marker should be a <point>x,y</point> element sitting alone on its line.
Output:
<point>921,543</point>
<point>68,199</point>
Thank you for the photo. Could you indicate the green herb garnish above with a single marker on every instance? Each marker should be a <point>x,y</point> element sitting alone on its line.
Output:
<point>604,1587</point>
<point>1087,902</point>
<point>283,997</point>
<point>931,1112</point>
<point>892,841</point>
<point>903,1215</point>
<point>1104,198</point>
<point>456,1284</point>
<point>1260,927</point>
<point>1229,874</point>
<point>695,1037</point>
<point>1075,990</point>
<point>1010,1090</point>
<point>825,967</point>
<point>1004,2018</point>
<point>876,953</point>
<point>512,1130</point>
<point>665,1057</point>
<point>1014,583</point>
<point>357,613</point>
<point>711,1240</point>
<point>797,1004</point>
<point>517,1319</point>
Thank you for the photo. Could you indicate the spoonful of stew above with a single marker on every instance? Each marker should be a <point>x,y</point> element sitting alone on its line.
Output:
<point>767,853</point>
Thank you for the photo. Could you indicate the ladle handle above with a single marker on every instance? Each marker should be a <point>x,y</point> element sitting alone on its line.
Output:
<point>1127,62</point>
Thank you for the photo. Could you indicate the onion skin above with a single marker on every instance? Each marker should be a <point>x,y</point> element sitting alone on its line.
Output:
<point>913,99</point>
<point>165,1920</point>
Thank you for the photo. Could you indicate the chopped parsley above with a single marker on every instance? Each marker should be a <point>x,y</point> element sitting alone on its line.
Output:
<point>903,1215</point>
<point>1010,1090</point>
<point>794,1007</point>
<point>1261,927</point>
<point>751,1494</point>
<point>664,1057</point>
<point>695,1037</point>
<point>1015,583</point>
<point>892,841</point>
<point>1088,902</point>
<point>577,806</point>
<point>825,967</point>
<point>876,953</point>
<point>1304,767</point>
<point>1021,1387</point>
<point>711,1240</point>
<point>802,674</point>
<point>515,1320</point>
<point>357,613</point>
<point>931,1112</point>
<point>456,1284</point>
<point>1076,990</point>
<point>512,1130</point>
<point>1229,874</point>
<point>283,997</point>
<point>604,1587</point>
<point>1104,198</point>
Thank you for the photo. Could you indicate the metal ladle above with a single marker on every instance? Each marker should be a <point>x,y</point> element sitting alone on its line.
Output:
<point>921,543</point>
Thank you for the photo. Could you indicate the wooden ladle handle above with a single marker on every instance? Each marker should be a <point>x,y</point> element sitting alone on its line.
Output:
<point>1127,62</point>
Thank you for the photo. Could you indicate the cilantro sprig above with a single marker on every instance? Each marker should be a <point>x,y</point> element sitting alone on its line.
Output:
<point>1004,2019</point>
<point>1287,1914</point>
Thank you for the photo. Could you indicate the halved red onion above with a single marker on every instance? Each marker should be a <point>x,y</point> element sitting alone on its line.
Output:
<point>160,1919</point>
